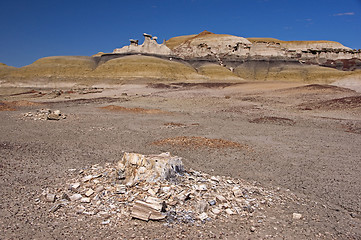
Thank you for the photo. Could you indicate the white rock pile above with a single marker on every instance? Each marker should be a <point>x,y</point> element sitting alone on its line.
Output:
<point>45,114</point>
<point>156,187</point>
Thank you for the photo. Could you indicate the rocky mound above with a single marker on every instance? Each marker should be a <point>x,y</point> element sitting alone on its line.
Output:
<point>158,188</point>
<point>145,67</point>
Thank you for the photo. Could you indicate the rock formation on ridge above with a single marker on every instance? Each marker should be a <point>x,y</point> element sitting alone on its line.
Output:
<point>149,46</point>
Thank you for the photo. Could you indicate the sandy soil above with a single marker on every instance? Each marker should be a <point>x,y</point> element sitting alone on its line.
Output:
<point>302,141</point>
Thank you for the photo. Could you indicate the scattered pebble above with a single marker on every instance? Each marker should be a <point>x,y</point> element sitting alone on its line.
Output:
<point>296,216</point>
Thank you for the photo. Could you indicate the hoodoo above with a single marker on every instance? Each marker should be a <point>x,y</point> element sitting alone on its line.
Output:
<point>149,46</point>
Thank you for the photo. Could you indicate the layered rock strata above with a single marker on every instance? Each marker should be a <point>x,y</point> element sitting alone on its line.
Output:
<point>222,47</point>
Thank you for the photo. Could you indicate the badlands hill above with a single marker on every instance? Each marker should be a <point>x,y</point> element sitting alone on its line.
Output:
<point>201,57</point>
<point>5,69</point>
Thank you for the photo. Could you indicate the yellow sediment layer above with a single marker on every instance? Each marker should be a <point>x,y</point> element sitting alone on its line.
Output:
<point>6,70</point>
<point>176,41</point>
<point>214,71</point>
<point>59,66</point>
<point>137,66</point>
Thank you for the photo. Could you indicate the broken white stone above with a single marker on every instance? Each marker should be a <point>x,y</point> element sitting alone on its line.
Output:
<point>156,203</point>
<point>50,197</point>
<point>150,168</point>
<point>165,189</point>
<point>57,112</point>
<point>145,211</point>
<point>89,192</point>
<point>216,211</point>
<point>99,189</point>
<point>120,189</point>
<point>230,211</point>
<point>105,222</point>
<point>85,200</point>
<point>220,199</point>
<point>215,179</point>
<point>201,187</point>
<point>202,206</point>
<point>87,178</point>
<point>75,197</point>
<point>296,216</point>
<point>203,216</point>
<point>80,209</point>
<point>151,192</point>
<point>75,186</point>
<point>237,192</point>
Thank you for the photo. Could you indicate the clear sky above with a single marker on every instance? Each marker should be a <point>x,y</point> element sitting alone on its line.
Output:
<point>32,29</point>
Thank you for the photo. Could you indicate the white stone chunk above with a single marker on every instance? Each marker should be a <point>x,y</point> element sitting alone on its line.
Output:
<point>89,192</point>
<point>75,197</point>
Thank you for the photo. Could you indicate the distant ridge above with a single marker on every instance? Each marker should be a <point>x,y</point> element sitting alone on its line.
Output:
<point>198,57</point>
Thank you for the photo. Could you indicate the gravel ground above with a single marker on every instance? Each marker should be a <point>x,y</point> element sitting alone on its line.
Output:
<point>310,156</point>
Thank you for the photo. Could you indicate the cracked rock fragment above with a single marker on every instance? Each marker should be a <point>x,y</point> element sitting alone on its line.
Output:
<point>146,211</point>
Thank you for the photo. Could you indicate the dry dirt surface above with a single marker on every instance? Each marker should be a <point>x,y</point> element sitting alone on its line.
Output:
<point>300,142</point>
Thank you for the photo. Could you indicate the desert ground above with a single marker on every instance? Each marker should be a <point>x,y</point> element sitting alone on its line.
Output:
<point>303,144</point>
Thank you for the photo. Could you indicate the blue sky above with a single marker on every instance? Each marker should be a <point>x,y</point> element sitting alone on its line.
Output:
<point>30,30</point>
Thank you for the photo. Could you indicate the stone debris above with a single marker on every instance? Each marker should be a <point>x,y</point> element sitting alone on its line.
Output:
<point>87,178</point>
<point>220,199</point>
<point>216,211</point>
<point>296,216</point>
<point>74,186</point>
<point>136,167</point>
<point>56,207</point>
<point>75,197</point>
<point>203,216</point>
<point>45,114</point>
<point>89,192</point>
<point>50,197</point>
<point>105,222</point>
<point>157,187</point>
<point>147,211</point>
<point>85,200</point>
